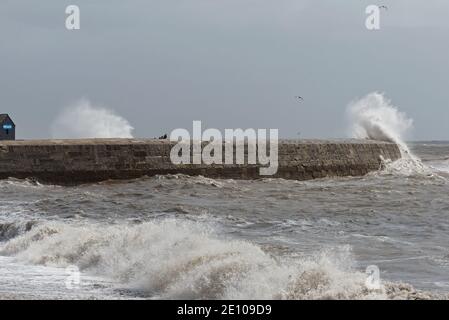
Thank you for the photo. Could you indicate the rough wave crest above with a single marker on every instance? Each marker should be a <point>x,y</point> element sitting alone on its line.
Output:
<point>176,259</point>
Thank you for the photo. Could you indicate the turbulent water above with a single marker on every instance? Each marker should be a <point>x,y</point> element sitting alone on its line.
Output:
<point>193,237</point>
<point>173,237</point>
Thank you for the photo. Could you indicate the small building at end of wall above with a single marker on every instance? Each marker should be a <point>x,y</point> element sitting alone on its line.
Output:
<point>7,128</point>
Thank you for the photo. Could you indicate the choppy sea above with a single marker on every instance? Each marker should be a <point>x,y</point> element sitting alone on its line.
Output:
<point>173,237</point>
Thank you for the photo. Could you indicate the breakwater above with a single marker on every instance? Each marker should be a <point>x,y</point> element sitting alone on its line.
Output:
<point>93,160</point>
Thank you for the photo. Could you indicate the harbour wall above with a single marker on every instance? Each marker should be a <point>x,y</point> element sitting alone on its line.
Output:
<point>93,160</point>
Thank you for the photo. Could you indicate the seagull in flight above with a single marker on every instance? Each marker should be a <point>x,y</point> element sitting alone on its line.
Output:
<point>383,7</point>
<point>299,98</point>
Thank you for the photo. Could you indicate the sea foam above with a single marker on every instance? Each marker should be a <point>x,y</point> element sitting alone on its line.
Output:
<point>181,259</point>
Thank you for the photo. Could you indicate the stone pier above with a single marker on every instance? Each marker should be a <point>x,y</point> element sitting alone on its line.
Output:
<point>93,160</point>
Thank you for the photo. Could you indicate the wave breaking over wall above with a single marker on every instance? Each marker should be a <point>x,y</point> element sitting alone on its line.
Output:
<point>83,120</point>
<point>375,117</point>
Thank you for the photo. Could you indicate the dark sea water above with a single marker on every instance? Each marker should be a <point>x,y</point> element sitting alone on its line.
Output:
<point>192,237</point>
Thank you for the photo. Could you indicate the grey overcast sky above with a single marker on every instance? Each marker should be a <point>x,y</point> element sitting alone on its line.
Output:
<point>230,63</point>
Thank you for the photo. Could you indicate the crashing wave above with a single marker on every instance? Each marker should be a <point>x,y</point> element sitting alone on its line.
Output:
<point>374,117</point>
<point>84,120</point>
<point>177,259</point>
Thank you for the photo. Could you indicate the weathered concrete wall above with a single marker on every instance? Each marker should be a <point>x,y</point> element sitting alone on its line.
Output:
<point>91,160</point>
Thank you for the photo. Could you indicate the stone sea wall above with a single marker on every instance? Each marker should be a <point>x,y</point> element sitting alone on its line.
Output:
<point>93,160</point>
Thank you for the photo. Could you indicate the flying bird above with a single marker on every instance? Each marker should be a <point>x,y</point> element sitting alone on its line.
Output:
<point>299,98</point>
<point>383,7</point>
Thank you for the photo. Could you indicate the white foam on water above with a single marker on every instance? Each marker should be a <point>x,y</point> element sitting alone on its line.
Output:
<point>442,165</point>
<point>176,258</point>
<point>9,183</point>
<point>83,120</point>
<point>199,180</point>
<point>19,281</point>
